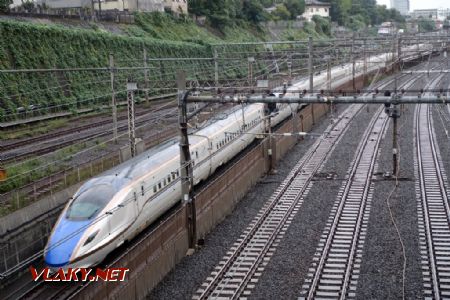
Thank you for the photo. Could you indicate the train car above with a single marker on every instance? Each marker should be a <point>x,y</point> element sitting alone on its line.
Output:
<point>115,206</point>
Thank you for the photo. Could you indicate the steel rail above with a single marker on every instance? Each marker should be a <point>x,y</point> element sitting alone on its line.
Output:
<point>241,250</point>
<point>432,194</point>
<point>345,232</point>
<point>312,153</point>
<point>347,194</point>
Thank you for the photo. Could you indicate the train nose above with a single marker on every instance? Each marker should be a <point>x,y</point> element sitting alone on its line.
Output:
<point>63,242</point>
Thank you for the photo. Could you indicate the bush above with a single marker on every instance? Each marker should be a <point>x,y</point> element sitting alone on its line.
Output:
<point>281,13</point>
<point>323,25</point>
<point>4,5</point>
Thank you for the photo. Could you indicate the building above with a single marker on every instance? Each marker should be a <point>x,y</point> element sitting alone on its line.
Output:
<point>387,28</point>
<point>176,6</point>
<point>315,7</point>
<point>401,5</point>
<point>425,13</point>
<point>435,14</point>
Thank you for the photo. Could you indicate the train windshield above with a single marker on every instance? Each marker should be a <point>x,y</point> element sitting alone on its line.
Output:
<point>90,202</point>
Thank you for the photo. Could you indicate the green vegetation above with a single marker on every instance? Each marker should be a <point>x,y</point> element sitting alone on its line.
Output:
<point>167,27</point>
<point>34,130</point>
<point>222,13</point>
<point>38,168</point>
<point>357,14</point>
<point>24,45</point>
<point>4,5</point>
<point>426,25</point>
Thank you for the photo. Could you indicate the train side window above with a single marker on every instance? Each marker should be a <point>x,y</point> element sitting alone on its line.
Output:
<point>196,154</point>
<point>165,183</point>
<point>142,190</point>
<point>173,176</point>
<point>155,189</point>
<point>168,179</point>
<point>159,186</point>
<point>178,173</point>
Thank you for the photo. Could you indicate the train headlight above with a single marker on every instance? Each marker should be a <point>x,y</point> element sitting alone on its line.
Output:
<point>91,238</point>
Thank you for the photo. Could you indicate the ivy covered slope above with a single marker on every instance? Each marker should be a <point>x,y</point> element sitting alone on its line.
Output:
<point>27,45</point>
<point>167,27</point>
<point>31,46</point>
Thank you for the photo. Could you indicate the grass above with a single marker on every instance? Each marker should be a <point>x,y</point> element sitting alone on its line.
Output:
<point>37,168</point>
<point>30,131</point>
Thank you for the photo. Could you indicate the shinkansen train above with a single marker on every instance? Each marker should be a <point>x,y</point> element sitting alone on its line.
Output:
<point>115,206</point>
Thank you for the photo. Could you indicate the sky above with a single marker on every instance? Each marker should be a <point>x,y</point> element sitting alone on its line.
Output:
<point>421,4</point>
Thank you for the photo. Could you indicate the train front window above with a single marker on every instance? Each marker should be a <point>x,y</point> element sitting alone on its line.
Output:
<point>90,203</point>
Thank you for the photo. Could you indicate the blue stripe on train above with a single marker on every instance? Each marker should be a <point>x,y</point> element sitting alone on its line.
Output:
<point>63,241</point>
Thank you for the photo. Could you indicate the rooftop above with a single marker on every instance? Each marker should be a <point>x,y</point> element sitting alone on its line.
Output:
<point>316,3</point>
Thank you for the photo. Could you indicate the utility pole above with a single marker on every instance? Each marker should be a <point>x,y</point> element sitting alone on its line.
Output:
<point>187,174</point>
<point>131,88</point>
<point>329,75</point>
<point>250,70</point>
<point>395,116</point>
<point>146,76</point>
<point>289,64</point>
<point>216,68</point>
<point>365,63</point>
<point>399,52</point>
<point>311,73</point>
<point>113,97</point>
<point>353,63</point>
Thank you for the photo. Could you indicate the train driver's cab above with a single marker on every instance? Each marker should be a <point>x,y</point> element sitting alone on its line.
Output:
<point>90,202</point>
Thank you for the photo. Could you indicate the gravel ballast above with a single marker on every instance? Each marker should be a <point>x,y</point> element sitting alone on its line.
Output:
<point>381,272</point>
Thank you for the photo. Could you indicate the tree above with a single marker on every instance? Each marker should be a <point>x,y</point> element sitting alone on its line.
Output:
<point>426,25</point>
<point>4,5</point>
<point>253,11</point>
<point>282,12</point>
<point>295,7</point>
<point>322,25</point>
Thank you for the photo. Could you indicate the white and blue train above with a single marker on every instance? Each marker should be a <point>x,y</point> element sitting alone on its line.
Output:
<point>117,205</point>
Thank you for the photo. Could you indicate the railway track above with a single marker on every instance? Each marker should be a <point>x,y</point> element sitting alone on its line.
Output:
<point>337,258</point>
<point>237,273</point>
<point>432,194</point>
<point>336,264</point>
<point>45,144</point>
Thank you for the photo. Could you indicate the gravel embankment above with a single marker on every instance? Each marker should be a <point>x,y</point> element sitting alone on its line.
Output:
<point>382,261</point>
<point>381,274</point>
<point>284,275</point>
